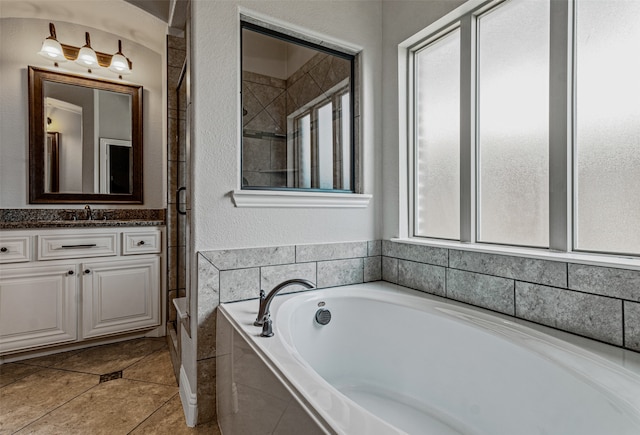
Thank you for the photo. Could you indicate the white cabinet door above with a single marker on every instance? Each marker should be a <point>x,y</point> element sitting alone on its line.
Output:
<point>120,295</point>
<point>37,306</point>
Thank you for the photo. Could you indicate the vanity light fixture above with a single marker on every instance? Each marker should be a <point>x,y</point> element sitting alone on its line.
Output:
<point>119,63</point>
<point>85,55</point>
<point>51,48</point>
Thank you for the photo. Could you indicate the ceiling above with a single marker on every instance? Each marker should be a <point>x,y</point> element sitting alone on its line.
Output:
<point>172,12</point>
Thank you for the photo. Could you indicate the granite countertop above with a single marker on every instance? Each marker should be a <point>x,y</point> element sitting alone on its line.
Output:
<point>76,218</point>
<point>79,224</point>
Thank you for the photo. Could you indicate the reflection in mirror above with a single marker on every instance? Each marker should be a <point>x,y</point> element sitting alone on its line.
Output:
<point>85,139</point>
<point>297,113</point>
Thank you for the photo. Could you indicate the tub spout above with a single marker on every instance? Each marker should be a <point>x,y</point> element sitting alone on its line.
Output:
<point>264,316</point>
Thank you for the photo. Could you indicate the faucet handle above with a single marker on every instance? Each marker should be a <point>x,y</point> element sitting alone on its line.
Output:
<point>267,329</point>
<point>260,319</point>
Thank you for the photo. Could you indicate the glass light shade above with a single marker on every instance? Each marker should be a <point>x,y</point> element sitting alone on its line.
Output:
<point>87,57</point>
<point>52,50</point>
<point>119,64</point>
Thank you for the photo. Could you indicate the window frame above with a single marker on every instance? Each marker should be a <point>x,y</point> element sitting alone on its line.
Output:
<point>561,137</point>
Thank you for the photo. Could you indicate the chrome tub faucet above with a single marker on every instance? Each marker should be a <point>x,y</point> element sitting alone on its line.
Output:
<point>264,316</point>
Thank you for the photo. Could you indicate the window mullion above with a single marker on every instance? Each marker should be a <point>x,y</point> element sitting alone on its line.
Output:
<point>467,129</point>
<point>560,131</point>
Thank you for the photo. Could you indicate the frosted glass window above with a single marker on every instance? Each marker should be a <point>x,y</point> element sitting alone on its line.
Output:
<point>607,127</point>
<point>345,129</point>
<point>325,147</point>
<point>437,131</point>
<point>304,147</point>
<point>513,124</point>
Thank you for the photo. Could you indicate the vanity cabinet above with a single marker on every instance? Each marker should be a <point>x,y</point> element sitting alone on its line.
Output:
<point>119,295</point>
<point>78,285</point>
<point>38,306</point>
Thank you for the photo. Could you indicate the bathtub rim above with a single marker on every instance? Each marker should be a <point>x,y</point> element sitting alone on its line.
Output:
<point>621,361</point>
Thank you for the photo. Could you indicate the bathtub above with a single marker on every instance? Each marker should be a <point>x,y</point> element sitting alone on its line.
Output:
<point>396,361</point>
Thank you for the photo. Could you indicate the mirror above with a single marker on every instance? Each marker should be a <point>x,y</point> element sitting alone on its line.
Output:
<point>297,113</point>
<point>85,139</point>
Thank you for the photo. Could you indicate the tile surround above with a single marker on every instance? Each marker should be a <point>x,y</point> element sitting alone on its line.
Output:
<point>421,276</point>
<point>491,292</point>
<point>417,253</point>
<point>541,291</point>
<point>581,313</point>
<point>606,281</point>
<point>632,325</point>
<point>335,273</point>
<point>581,299</point>
<point>524,269</point>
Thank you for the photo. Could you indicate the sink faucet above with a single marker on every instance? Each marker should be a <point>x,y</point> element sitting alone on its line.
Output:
<point>88,212</point>
<point>264,316</point>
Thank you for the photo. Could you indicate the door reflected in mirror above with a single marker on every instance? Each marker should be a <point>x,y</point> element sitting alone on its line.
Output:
<point>297,114</point>
<point>85,139</point>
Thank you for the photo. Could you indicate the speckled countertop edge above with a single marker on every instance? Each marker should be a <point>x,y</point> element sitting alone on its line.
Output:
<point>76,218</point>
<point>78,224</point>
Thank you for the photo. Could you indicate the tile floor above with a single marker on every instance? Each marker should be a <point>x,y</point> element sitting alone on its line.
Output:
<point>121,388</point>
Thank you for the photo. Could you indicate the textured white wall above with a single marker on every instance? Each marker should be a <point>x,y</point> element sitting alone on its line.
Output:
<point>20,40</point>
<point>217,131</point>
<point>401,20</point>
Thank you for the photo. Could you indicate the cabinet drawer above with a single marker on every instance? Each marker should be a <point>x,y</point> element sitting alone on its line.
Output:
<point>55,247</point>
<point>141,243</point>
<point>15,249</point>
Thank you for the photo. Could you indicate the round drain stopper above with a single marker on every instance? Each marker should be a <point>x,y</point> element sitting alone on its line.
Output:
<point>323,316</point>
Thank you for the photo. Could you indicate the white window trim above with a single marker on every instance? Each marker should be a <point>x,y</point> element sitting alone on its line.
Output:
<point>560,131</point>
<point>298,199</point>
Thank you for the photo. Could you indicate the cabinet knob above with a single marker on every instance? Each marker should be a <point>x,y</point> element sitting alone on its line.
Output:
<point>87,271</point>
<point>3,249</point>
<point>141,242</point>
<point>70,272</point>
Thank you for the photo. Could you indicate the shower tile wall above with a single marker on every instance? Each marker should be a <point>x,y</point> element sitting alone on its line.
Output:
<point>176,54</point>
<point>264,141</point>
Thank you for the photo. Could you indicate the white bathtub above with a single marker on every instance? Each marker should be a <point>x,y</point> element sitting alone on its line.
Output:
<point>392,361</point>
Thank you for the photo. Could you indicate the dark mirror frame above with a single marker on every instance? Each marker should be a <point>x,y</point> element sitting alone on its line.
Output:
<point>37,133</point>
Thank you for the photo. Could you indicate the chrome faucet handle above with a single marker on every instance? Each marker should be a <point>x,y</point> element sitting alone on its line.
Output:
<point>260,318</point>
<point>267,329</point>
